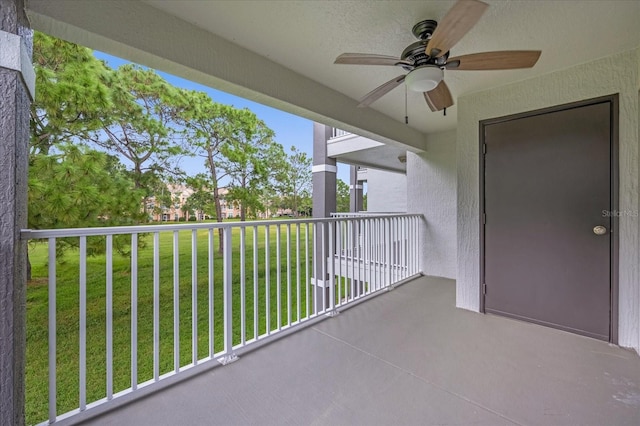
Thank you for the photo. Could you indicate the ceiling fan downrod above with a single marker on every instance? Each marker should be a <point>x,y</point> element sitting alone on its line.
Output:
<point>424,29</point>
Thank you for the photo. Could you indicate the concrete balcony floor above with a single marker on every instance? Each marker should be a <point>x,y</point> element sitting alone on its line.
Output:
<point>408,357</point>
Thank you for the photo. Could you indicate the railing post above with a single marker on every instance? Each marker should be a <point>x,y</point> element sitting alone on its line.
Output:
<point>339,250</point>
<point>194,295</point>
<point>388,261</point>
<point>134,311</point>
<point>176,301</point>
<point>421,229</point>
<point>267,290</point>
<point>83,324</point>
<point>256,330</point>
<point>109,312</point>
<point>243,285</point>
<point>211,258</point>
<point>52,330</point>
<point>358,255</point>
<point>156,306</point>
<point>332,273</point>
<point>278,277</point>
<point>323,267</point>
<point>228,356</point>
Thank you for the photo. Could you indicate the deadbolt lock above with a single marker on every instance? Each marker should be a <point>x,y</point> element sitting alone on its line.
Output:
<point>599,230</point>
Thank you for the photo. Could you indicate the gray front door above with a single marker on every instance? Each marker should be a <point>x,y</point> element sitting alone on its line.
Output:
<point>547,184</point>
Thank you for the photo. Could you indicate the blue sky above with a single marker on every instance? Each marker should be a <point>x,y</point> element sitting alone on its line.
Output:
<point>290,130</point>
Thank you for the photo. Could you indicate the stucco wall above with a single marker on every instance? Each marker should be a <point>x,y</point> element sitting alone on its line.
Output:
<point>614,74</point>
<point>431,181</point>
<point>386,191</point>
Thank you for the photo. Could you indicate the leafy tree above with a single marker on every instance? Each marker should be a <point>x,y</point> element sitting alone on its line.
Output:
<point>72,93</point>
<point>305,203</point>
<point>72,185</point>
<point>295,179</point>
<point>129,112</point>
<point>142,126</point>
<point>271,199</point>
<point>208,126</point>
<point>80,187</point>
<point>161,194</point>
<point>343,196</point>
<point>249,159</point>
<point>202,198</point>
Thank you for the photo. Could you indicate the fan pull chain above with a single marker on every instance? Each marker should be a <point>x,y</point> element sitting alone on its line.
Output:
<point>445,112</point>
<point>406,113</point>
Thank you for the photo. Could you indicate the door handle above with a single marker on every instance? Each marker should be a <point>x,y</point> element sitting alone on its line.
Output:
<point>599,230</point>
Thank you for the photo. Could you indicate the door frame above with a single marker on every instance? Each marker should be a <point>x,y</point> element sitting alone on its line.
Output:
<point>615,181</point>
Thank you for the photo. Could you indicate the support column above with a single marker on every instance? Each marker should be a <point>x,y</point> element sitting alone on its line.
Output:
<point>355,191</point>
<point>355,206</point>
<point>16,87</point>
<point>324,203</point>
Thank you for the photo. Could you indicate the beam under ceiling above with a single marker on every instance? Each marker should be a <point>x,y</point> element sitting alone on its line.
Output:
<point>141,33</point>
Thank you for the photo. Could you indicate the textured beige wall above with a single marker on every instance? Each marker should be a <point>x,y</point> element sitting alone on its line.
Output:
<point>618,73</point>
<point>431,185</point>
<point>386,191</point>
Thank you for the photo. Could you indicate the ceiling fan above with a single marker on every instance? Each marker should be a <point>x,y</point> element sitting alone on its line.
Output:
<point>427,58</point>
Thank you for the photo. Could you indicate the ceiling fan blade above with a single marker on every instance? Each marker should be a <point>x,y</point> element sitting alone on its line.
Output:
<point>503,60</point>
<point>380,91</point>
<point>455,24</point>
<point>369,59</point>
<point>439,98</point>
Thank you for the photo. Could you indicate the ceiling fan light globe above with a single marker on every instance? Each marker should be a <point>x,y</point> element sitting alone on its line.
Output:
<point>424,79</point>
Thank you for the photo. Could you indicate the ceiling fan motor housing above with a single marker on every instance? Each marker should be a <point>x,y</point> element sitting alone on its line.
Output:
<point>416,52</point>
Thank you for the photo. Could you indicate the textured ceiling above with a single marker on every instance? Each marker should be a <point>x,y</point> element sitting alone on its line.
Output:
<point>306,36</point>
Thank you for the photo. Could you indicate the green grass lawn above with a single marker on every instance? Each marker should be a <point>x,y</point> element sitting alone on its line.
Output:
<point>67,310</point>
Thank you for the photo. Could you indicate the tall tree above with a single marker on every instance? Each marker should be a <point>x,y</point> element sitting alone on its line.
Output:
<point>208,127</point>
<point>202,198</point>
<point>305,203</point>
<point>162,197</point>
<point>71,185</point>
<point>142,126</point>
<point>295,180</point>
<point>72,93</point>
<point>343,196</point>
<point>249,159</point>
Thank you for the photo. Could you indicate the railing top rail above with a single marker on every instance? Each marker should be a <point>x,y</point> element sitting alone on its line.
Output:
<point>368,214</point>
<point>33,234</point>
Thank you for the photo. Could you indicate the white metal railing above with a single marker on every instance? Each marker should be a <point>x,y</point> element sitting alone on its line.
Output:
<point>266,280</point>
<point>362,254</point>
<point>336,133</point>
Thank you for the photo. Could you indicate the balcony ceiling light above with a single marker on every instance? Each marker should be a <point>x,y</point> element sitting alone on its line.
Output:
<point>424,79</point>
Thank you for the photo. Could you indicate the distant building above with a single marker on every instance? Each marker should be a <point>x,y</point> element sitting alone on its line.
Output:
<point>176,211</point>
